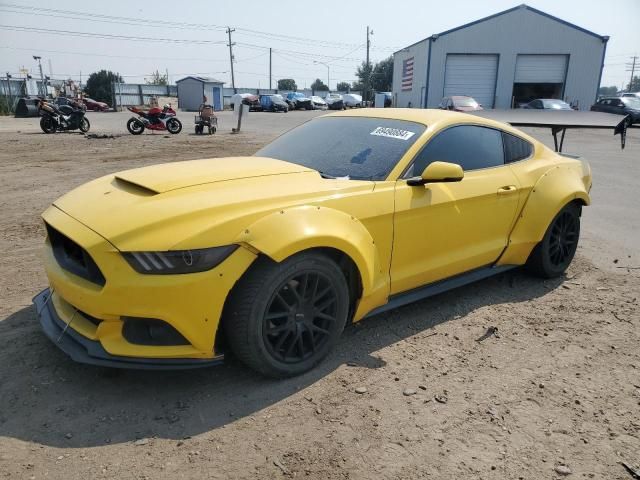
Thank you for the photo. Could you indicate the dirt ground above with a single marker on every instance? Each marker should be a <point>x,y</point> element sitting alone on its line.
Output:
<point>556,388</point>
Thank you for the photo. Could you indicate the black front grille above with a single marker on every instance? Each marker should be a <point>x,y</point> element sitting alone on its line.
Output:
<point>73,258</point>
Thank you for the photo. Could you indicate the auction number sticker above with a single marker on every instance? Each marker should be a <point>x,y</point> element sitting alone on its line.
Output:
<point>393,133</point>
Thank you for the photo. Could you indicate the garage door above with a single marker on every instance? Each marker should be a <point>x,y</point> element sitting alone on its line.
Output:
<point>473,75</point>
<point>541,68</point>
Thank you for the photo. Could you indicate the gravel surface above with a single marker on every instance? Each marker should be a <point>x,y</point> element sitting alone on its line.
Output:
<point>509,378</point>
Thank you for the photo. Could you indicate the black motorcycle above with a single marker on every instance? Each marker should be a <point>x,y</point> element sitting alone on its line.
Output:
<point>62,118</point>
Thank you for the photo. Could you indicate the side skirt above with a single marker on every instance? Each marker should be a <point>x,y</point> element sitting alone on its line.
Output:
<point>438,287</point>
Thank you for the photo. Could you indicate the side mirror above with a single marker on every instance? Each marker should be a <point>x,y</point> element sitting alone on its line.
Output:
<point>438,172</point>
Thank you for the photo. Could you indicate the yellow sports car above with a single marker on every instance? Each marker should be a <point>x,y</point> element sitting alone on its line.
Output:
<point>270,256</point>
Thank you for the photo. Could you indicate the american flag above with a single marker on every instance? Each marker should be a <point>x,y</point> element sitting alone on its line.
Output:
<point>407,74</point>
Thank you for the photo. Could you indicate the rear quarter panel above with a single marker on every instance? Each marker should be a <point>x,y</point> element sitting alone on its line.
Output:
<point>548,182</point>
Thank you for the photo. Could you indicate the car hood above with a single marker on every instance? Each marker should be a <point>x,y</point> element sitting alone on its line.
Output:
<point>194,204</point>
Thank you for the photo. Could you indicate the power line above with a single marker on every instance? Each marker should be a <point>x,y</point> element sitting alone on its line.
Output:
<point>106,35</point>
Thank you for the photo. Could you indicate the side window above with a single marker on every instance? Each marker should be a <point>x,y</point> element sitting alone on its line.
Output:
<point>515,148</point>
<point>469,146</point>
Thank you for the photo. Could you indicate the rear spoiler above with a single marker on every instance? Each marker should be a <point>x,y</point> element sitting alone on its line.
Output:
<point>561,120</point>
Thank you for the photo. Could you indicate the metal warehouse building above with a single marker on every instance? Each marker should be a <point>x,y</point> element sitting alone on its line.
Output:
<point>502,60</point>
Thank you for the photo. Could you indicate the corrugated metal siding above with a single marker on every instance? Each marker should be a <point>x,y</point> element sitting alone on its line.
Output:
<point>541,68</point>
<point>415,96</point>
<point>473,75</point>
<point>520,32</point>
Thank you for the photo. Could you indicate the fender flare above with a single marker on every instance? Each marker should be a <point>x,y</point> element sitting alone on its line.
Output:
<point>286,232</point>
<point>556,188</point>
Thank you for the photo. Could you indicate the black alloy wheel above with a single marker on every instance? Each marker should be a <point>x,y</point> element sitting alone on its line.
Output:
<point>553,255</point>
<point>300,317</point>
<point>282,319</point>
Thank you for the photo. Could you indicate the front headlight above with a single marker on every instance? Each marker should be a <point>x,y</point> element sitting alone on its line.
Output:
<point>178,261</point>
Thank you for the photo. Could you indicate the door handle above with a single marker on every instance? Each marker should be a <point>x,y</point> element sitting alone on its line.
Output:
<point>506,190</point>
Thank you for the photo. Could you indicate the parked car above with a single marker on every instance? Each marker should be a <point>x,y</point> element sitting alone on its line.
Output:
<point>319,103</point>
<point>298,101</point>
<point>270,256</point>
<point>273,103</point>
<point>334,101</point>
<point>95,105</point>
<point>460,103</point>
<point>247,99</point>
<point>631,94</point>
<point>619,106</point>
<point>352,100</point>
<point>547,104</point>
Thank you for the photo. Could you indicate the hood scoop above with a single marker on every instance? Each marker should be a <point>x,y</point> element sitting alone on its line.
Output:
<point>172,176</point>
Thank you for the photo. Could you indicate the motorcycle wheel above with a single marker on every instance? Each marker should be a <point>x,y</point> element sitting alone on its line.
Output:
<point>174,125</point>
<point>135,126</point>
<point>47,125</point>
<point>84,125</point>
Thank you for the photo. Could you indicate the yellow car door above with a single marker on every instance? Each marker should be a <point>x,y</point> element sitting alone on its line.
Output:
<point>444,229</point>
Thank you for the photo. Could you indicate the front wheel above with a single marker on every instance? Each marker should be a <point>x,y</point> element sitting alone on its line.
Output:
<point>282,319</point>
<point>552,256</point>
<point>135,126</point>
<point>174,126</point>
<point>47,125</point>
<point>84,125</point>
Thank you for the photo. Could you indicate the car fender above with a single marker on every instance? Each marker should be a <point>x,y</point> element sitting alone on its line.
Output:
<point>287,232</point>
<point>557,187</point>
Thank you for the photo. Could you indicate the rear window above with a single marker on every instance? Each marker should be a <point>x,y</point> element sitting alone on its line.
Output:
<point>515,148</point>
<point>355,147</point>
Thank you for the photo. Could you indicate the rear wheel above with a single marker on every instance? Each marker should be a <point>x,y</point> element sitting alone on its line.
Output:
<point>282,319</point>
<point>47,124</point>
<point>554,253</point>
<point>135,126</point>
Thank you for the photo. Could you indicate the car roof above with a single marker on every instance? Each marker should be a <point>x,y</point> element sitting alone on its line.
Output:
<point>431,117</point>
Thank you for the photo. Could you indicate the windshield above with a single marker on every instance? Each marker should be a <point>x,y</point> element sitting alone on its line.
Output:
<point>632,102</point>
<point>556,104</point>
<point>358,148</point>
<point>465,102</point>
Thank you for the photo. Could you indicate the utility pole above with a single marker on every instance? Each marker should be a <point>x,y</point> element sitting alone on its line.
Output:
<point>367,71</point>
<point>630,67</point>
<point>269,68</point>
<point>230,45</point>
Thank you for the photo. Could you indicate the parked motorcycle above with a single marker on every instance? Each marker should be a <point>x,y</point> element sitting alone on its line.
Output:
<point>154,119</point>
<point>62,118</point>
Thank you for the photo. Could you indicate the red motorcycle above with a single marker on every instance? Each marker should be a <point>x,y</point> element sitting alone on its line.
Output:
<point>154,119</point>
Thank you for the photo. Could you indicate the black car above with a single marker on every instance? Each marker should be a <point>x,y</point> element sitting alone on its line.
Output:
<point>273,103</point>
<point>547,104</point>
<point>619,106</point>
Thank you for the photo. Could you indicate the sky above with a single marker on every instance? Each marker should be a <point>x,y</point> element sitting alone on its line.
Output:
<point>189,37</point>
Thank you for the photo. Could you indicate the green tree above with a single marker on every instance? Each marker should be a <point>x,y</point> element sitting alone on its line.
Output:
<point>634,85</point>
<point>363,73</point>
<point>98,85</point>
<point>318,85</point>
<point>157,79</point>
<point>607,91</point>
<point>287,84</point>
<point>382,76</point>
<point>343,86</point>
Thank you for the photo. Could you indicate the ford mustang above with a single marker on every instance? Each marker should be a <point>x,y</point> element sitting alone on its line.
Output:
<point>270,256</point>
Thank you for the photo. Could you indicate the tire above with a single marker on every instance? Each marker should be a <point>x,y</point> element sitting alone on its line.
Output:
<point>135,126</point>
<point>212,130</point>
<point>553,255</point>
<point>47,125</point>
<point>84,125</point>
<point>282,319</point>
<point>174,126</point>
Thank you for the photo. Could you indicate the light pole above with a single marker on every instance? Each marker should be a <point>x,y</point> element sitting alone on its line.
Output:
<point>326,65</point>
<point>42,86</point>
